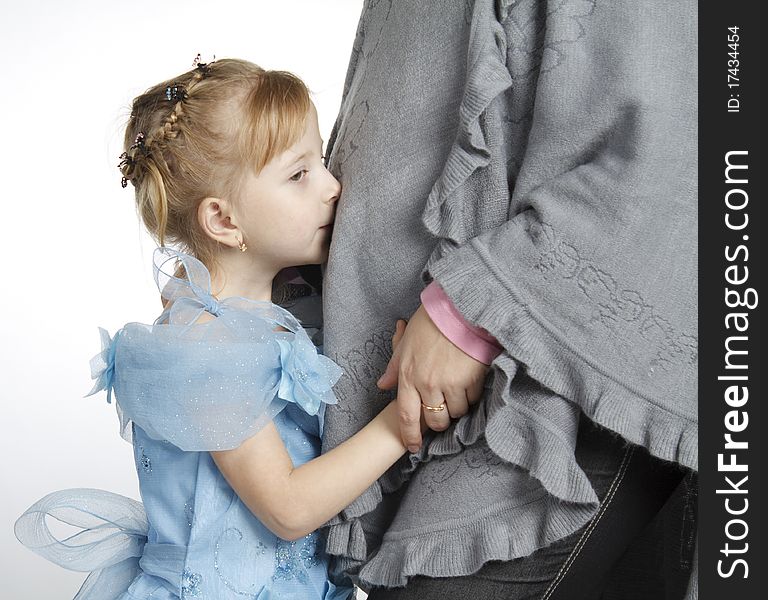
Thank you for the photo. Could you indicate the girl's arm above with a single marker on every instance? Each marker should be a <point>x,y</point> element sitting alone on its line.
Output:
<point>293,502</point>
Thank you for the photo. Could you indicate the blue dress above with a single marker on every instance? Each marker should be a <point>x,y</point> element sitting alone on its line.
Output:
<point>182,389</point>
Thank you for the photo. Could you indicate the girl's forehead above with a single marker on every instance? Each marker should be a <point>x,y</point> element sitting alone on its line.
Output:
<point>307,143</point>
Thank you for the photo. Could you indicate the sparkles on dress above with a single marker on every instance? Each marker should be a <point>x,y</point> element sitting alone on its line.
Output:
<point>183,389</point>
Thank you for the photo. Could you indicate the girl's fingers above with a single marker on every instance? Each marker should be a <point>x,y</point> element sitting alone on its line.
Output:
<point>388,380</point>
<point>398,335</point>
<point>409,411</point>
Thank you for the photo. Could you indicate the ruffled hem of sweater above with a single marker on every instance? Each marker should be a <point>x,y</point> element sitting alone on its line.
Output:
<point>501,532</point>
<point>611,403</point>
<point>514,431</point>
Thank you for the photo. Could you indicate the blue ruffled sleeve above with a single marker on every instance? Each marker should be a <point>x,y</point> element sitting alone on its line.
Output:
<point>210,386</point>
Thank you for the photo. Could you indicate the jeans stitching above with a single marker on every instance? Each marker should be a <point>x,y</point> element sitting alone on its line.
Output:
<point>688,527</point>
<point>595,520</point>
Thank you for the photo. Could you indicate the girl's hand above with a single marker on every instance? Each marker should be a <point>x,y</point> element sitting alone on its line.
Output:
<point>294,501</point>
<point>396,337</point>
<point>428,368</point>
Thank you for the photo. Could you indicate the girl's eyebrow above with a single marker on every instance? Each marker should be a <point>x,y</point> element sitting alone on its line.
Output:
<point>292,162</point>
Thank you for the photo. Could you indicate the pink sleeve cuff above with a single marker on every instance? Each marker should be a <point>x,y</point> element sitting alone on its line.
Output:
<point>474,341</point>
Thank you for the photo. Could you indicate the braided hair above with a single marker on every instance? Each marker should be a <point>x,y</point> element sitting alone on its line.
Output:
<point>197,135</point>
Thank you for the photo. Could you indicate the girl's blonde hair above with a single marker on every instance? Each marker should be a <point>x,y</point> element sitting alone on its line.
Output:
<point>195,136</point>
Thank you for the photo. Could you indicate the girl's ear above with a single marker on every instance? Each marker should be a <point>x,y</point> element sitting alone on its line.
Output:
<point>215,218</point>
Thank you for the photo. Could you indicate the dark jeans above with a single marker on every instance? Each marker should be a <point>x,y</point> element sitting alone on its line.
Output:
<point>600,560</point>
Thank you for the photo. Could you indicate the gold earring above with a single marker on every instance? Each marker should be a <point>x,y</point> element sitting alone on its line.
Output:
<point>241,245</point>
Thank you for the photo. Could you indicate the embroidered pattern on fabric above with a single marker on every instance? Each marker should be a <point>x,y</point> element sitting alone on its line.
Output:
<point>308,553</point>
<point>533,50</point>
<point>349,125</point>
<point>482,461</point>
<point>189,511</point>
<point>613,306</point>
<point>359,396</point>
<point>294,559</point>
<point>145,461</point>
<point>231,547</point>
<point>349,133</point>
<point>527,36</point>
<point>367,40</point>
<point>478,461</point>
<point>190,584</point>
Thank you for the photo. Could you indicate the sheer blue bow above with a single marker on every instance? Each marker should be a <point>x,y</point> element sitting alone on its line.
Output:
<point>103,365</point>
<point>113,532</point>
<point>307,377</point>
<point>184,282</point>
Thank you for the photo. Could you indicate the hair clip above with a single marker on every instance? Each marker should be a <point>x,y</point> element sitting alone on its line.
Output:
<point>126,160</point>
<point>174,93</point>
<point>138,142</point>
<point>203,68</point>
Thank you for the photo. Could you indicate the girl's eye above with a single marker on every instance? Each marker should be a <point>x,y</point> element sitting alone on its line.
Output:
<point>298,176</point>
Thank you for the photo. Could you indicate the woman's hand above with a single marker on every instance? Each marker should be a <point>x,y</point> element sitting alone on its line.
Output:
<point>429,369</point>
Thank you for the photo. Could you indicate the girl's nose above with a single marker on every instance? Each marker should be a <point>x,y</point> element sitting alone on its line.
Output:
<point>335,188</point>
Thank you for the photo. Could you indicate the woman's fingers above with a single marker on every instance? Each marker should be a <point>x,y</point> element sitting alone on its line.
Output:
<point>428,368</point>
<point>456,402</point>
<point>436,413</point>
<point>475,389</point>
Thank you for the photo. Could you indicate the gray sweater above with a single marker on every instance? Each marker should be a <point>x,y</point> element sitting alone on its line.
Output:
<point>538,160</point>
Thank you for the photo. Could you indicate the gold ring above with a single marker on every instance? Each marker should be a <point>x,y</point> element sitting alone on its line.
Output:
<point>434,408</point>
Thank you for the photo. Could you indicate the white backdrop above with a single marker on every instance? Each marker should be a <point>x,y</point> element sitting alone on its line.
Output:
<point>73,254</point>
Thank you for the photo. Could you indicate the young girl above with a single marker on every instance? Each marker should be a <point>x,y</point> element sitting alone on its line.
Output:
<point>223,395</point>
